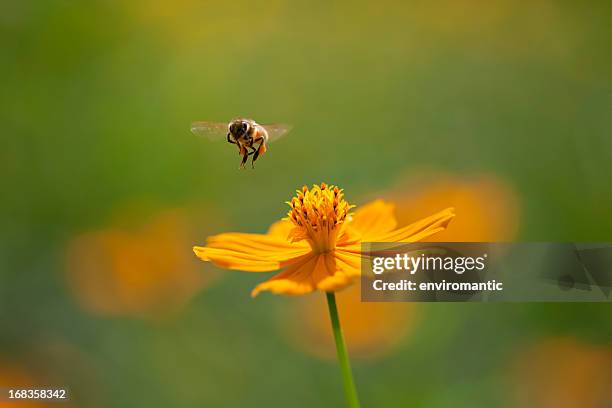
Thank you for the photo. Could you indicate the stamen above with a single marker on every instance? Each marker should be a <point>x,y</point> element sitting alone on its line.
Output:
<point>318,215</point>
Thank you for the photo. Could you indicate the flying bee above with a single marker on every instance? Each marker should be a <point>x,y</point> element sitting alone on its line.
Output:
<point>250,137</point>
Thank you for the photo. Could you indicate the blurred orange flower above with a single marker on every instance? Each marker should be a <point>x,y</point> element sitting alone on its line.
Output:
<point>372,330</point>
<point>12,375</point>
<point>563,373</point>
<point>141,271</point>
<point>487,206</point>
<point>319,242</point>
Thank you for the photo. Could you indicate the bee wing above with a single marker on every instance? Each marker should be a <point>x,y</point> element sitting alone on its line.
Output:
<point>210,130</point>
<point>276,130</point>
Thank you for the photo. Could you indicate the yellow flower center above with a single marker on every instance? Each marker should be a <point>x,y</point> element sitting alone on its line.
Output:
<point>318,214</point>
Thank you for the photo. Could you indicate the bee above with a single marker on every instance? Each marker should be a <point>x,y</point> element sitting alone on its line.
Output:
<point>250,137</point>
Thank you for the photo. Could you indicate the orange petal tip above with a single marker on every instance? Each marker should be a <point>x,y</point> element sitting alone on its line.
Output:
<point>200,253</point>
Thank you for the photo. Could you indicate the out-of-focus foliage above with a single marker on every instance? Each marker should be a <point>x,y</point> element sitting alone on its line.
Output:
<point>501,105</point>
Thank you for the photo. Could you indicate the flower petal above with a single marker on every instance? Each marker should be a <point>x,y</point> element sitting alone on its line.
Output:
<point>251,252</point>
<point>254,242</point>
<point>348,262</point>
<point>325,272</point>
<point>420,229</point>
<point>338,275</point>
<point>245,262</point>
<point>412,233</point>
<point>295,280</point>
<point>373,219</point>
<point>281,229</point>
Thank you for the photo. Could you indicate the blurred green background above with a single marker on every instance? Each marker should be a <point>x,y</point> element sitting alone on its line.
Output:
<point>105,190</point>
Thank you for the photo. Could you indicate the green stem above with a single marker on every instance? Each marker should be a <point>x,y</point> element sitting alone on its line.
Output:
<point>343,358</point>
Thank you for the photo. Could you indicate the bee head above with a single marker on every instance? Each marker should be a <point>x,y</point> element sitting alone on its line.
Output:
<point>239,127</point>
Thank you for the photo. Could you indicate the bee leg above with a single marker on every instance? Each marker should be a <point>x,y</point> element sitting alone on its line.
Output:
<point>233,142</point>
<point>244,159</point>
<point>244,152</point>
<point>229,140</point>
<point>260,150</point>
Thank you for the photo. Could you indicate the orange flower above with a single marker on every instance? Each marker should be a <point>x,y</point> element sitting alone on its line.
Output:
<point>488,206</point>
<point>17,377</point>
<point>372,329</point>
<point>563,372</point>
<point>141,271</point>
<point>319,242</point>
